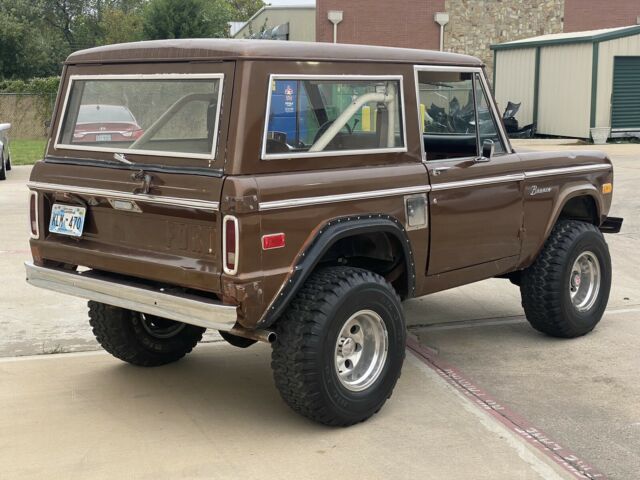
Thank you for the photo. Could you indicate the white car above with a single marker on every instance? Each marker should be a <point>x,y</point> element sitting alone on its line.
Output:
<point>5,153</point>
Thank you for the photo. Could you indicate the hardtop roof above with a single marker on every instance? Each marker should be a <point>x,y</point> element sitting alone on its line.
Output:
<point>233,49</point>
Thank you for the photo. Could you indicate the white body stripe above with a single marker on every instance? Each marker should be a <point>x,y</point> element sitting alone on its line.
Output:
<point>323,199</point>
<point>138,197</point>
<point>516,177</point>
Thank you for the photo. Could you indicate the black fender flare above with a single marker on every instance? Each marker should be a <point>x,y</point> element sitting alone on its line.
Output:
<point>327,235</point>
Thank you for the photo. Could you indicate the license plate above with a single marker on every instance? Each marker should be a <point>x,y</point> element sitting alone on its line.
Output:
<point>67,220</point>
<point>103,137</point>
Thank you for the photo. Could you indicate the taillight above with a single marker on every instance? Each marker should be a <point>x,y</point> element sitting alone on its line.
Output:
<point>230,244</point>
<point>33,214</point>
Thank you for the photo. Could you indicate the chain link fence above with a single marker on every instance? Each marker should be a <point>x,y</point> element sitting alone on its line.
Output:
<point>28,114</point>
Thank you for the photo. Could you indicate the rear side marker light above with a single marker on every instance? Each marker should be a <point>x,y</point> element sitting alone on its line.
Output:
<point>33,215</point>
<point>230,244</point>
<point>274,240</point>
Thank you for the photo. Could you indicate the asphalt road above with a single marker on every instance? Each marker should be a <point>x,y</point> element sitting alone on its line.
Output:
<point>582,393</point>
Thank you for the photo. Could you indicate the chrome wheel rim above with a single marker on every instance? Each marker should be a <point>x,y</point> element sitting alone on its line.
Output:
<point>584,281</point>
<point>361,350</point>
<point>159,327</point>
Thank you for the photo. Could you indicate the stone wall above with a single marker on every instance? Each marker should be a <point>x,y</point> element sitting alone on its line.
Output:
<point>476,24</point>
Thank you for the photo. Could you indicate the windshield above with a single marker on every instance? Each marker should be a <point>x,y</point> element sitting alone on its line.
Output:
<point>167,115</point>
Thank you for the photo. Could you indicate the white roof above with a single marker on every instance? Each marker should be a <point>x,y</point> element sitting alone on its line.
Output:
<point>571,35</point>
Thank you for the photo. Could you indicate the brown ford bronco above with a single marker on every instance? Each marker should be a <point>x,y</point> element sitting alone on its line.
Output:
<point>296,193</point>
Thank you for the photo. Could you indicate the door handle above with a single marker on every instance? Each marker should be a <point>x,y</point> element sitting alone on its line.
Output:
<point>440,170</point>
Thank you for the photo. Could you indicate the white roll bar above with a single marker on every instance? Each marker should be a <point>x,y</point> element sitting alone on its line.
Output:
<point>388,98</point>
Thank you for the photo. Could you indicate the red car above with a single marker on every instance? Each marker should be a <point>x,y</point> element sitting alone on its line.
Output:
<point>106,123</point>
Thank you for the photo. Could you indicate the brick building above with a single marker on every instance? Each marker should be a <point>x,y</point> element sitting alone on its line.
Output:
<point>473,24</point>
<point>580,15</point>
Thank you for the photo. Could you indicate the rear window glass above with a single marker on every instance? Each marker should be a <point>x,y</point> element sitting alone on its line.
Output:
<point>170,115</point>
<point>316,116</point>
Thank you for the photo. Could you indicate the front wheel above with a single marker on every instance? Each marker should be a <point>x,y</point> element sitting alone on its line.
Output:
<point>565,291</point>
<point>340,346</point>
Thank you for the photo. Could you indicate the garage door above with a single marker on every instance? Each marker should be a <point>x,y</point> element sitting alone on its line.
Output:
<point>625,100</point>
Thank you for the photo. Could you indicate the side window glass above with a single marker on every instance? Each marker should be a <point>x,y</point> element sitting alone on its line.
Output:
<point>314,116</point>
<point>447,114</point>
<point>487,126</point>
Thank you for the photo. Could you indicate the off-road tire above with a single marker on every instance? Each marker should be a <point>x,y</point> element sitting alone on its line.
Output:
<point>545,284</point>
<point>303,355</point>
<point>121,333</point>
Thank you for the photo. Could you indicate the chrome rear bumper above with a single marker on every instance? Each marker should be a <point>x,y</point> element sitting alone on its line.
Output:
<point>138,297</point>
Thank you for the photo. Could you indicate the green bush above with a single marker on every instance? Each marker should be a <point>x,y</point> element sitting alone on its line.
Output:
<point>37,86</point>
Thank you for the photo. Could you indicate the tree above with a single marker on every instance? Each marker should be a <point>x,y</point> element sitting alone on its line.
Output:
<point>243,10</point>
<point>26,48</point>
<point>186,19</point>
<point>118,26</point>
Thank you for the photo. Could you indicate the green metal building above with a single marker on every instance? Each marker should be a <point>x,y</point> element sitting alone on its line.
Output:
<point>573,84</point>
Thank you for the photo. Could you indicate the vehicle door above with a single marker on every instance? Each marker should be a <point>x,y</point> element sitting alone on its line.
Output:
<point>476,179</point>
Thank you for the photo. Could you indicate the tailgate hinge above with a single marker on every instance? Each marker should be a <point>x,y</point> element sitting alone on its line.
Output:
<point>240,204</point>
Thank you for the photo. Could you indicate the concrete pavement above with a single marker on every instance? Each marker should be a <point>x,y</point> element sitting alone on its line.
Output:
<point>217,415</point>
<point>582,392</point>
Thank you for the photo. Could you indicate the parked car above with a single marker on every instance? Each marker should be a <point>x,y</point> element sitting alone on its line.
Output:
<point>5,152</point>
<point>296,193</point>
<point>105,123</point>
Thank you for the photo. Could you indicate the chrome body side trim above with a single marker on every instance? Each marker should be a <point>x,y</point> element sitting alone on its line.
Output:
<point>345,197</point>
<point>206,205</point>
<point>567,170</point>
<point>516,177</point>
<point>199,311</point>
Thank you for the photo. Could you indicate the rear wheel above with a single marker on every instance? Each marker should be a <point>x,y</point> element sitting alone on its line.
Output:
<point>340,346</point>
<point>565,291</point>
<point>8,163</point>
<point>140,339</point>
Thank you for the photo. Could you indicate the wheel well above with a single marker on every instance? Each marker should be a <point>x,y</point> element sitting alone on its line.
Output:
<point>379,252</point>
<point>580,208</point>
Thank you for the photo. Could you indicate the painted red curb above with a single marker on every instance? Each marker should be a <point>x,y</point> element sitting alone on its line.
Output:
<point>569,461</point>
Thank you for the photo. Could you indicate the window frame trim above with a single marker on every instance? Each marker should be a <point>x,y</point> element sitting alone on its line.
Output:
<point>493,107</point>
<point>333,153</point>
<point>144,76</point>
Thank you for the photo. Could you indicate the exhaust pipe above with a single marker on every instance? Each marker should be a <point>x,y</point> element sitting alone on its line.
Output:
<point>267,336</point>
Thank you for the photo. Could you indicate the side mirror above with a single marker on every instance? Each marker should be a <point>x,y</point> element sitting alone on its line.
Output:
<point>488,147</point>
